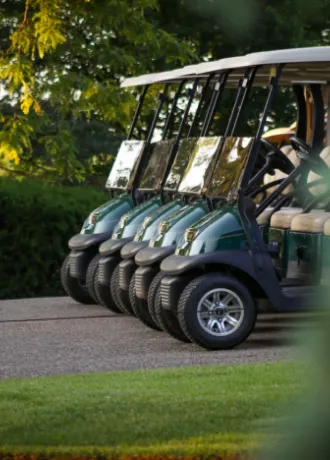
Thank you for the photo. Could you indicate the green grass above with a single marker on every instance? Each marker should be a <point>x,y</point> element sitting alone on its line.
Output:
<point>195,410</point>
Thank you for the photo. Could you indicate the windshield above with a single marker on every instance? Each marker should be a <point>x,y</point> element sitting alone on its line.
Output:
<point>159,158</point>
<point>228,174</point>
<point>200,162</point>
<point>125,165</point>
<point>180,164</point>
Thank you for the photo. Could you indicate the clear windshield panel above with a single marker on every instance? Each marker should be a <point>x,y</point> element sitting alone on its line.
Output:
<point>180,163</point>
<point>125,165</point>
<point>229,171</point>
<point>159,158</point>
<point>199,166</point>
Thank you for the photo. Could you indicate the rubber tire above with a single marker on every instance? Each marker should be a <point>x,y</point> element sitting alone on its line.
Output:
<point>168,320</point>
<point>187,309</point>
<point>91,277</point>
<point>73,287</point>
<point>131,292</point>
<point>114,287</point>
<point>152,297</point>
<point>104,295</point>
<point>140,308</point>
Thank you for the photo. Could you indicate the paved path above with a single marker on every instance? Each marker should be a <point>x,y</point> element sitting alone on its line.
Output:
<point>58,336</point>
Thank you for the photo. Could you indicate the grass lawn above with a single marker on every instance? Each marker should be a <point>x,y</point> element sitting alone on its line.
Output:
<point>194,410</point>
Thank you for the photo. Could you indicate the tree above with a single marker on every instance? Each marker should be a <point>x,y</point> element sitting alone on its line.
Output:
<point>217,29</point>
<point>61,62</point>
<point>67,58</point>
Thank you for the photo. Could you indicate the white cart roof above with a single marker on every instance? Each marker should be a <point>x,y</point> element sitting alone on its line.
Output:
<point>303,65</point>
<point>161,77</point>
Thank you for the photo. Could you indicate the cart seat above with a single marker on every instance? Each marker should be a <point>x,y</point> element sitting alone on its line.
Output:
<point>311,222</point>
<point>326,230</point>
<point>321,188</point>
<point>264,217</point>
<point>283,218</point>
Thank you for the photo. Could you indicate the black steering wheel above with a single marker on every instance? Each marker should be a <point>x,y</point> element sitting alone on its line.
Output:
<point>276,158</point>
<point>304,153</point>
<point>300,145</point>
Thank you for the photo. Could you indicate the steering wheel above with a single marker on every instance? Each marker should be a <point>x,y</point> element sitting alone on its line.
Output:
<point>304,152</point>
<point>276,158</point>
<point>300,145</point>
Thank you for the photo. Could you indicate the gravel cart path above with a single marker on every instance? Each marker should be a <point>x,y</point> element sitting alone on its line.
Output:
<point>53,336</point>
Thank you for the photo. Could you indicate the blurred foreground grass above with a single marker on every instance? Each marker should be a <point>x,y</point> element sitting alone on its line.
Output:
<point>189,411</point>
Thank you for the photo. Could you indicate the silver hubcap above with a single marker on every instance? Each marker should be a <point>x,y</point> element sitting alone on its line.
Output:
<point>220,312</point>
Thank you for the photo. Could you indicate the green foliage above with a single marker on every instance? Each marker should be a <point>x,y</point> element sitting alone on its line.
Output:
<point>70,57</point>
<point>61,62</point>
<point>36,222</point>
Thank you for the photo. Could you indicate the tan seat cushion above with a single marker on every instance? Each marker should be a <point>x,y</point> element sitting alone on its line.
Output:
<point>264,217</point>
<point>312,222</point>
<point>326,229</point>
<point>283,218</point>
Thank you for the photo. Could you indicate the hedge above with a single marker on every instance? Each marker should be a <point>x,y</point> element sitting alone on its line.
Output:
<point>36,222</point>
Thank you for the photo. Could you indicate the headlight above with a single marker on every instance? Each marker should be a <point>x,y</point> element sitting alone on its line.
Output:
<point>163,227</point>
<point>146,222</point>
<point>190,235</point>
<point>92,218</point>
<point>123,221</point>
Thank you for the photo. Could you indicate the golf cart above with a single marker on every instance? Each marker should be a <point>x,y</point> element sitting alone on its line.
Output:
<point>166,163</point>
<point>190,203</point>
<point>162,240</point>
<point>122,186</point>
<point>213,283</point>
<point>146,280</point>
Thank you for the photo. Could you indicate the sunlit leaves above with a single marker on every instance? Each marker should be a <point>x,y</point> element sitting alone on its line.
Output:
<point>70,56</point>
<point>15,139</point>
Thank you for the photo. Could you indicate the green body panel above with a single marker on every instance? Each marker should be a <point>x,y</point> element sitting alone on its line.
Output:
<point>130,222</point>
<point>218,231</point>
<point>305,256</point>
<point>149,228</point>
<point>176,224</point>
<point>106,217</point>
<point>280,236</point>
<point>326,260</point>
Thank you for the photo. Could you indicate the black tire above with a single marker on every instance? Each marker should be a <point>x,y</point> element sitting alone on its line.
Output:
<point>188,304</point>
<point>73,287</point>
<point>114,290</point>
<point>168,320</point>
<point>91,277</point>
<point>152,296</point>
<point>140,308</point>
<point>131,292</point>
<point>104,295</point>
<point>124,299</point>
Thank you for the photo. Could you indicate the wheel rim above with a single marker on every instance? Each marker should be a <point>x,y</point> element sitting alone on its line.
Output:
<point>220,312</point>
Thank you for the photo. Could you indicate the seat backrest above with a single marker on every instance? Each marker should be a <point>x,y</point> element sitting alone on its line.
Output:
<point>326,230</point>
<point>312,176</point>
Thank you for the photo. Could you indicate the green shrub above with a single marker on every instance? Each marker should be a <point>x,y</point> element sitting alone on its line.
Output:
<point>36,222</point>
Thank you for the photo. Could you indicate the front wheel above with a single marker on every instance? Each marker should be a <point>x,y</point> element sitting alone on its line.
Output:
<point>73,287</point>
<point>114,289</point>
<point>217,311</point>
<point>140,308</point>
<point>91,277</point>
<point>152,294</point>
<point>104,295</point>
<point>168,320</point>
